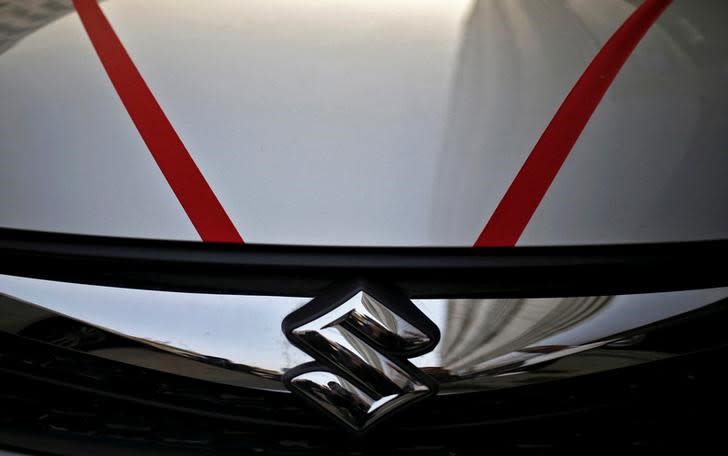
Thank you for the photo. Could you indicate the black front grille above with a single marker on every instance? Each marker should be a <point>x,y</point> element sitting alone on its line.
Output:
<point>56,398</point>
<point>59,400</point>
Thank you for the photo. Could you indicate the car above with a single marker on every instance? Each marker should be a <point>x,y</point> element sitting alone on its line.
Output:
<point>356,227</point>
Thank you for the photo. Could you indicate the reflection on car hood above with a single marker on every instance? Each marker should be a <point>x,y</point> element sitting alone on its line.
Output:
<point>366,122</point>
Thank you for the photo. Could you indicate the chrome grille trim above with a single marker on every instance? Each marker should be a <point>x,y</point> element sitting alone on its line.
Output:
<point>203,336</point>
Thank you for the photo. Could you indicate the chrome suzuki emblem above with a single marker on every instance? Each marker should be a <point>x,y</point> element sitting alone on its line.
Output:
<point>361,336</point>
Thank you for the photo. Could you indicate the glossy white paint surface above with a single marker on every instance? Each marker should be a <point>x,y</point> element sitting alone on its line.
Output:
<point>71,160</point>
<point>371,122</point>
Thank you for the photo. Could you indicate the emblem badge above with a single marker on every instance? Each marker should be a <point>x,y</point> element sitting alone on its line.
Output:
<point>360,337</point>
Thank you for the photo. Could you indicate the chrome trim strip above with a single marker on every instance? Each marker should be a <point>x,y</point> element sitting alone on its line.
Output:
<point>236,339</point>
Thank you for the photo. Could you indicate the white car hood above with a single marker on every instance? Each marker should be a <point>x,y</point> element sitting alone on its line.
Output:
<point>387,123</point>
